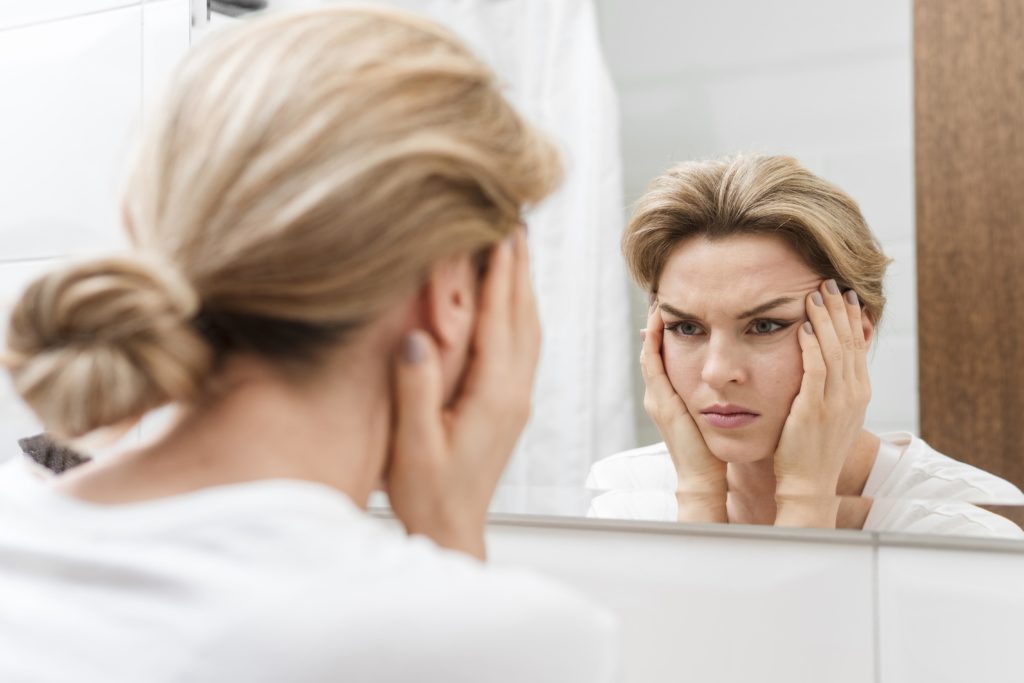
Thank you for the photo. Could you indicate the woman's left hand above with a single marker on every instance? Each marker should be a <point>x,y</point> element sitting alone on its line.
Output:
<point>827,414</point>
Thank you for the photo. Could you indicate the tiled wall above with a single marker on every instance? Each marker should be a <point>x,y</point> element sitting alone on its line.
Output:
<point>74,75</point>
<point>843,607</point>
<point>827,82</point>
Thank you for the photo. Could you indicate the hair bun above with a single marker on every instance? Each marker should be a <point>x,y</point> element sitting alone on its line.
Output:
<point>105,341</point>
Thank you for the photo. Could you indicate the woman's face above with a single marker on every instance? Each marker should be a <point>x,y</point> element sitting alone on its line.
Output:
<point>732,310</point>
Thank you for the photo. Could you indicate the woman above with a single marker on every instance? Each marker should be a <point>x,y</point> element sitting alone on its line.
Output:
<point>329,275</point>
<point>766,289</point>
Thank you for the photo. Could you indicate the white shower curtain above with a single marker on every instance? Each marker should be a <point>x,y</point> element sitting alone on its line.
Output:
<point>549,55</point>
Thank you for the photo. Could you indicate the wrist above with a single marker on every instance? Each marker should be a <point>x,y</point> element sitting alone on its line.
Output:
<point>463,533</point>
<point>701,507</point>
<point>812,512</point>
<point>796,487</point>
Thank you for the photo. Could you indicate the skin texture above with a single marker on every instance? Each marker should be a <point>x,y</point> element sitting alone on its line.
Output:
<point>808,388</point>
<point>427,401</point>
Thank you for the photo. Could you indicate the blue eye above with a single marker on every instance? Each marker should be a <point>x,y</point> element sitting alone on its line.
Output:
<point>684,328</point>
<point>766,327</point>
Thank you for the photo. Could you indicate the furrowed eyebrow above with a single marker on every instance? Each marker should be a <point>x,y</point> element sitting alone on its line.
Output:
<point>766,306</point>
<point>757,310</point>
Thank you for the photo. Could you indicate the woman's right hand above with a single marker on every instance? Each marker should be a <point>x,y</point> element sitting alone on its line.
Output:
<point>445,461</point>
<point>701,490</point>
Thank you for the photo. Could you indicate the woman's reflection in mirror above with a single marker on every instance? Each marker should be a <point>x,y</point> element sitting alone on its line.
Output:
<point>767,293</point>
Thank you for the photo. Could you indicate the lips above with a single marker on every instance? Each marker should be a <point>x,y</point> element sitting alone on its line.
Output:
<point>729,416</point>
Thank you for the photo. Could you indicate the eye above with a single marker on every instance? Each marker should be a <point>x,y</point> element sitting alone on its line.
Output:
<point>766,327</point>
<point>684,328</point>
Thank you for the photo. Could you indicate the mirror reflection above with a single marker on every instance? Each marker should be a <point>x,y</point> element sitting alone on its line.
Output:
<point>725,278</point>
<point>766,288</point>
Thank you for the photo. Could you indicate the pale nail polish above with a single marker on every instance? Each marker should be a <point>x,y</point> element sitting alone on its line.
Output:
<point>816,298</point>
<point>831,286</point>
<point>413,351</point>
<point>852,298</point>
<point>807,327</point>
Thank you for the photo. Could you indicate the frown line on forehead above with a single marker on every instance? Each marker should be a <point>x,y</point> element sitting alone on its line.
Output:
<point>750,313</point>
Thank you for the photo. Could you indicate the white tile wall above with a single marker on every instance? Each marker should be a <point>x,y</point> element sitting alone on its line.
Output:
<point>774,610</point>
<point>949,616</point>
<point>830,83</point>
<point>715,609</point>
<point>665,38</point>
<point>165,40</point>
<point>23,12</point>
<point>74,88</point>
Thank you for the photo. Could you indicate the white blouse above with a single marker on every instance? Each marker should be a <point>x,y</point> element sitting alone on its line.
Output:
<point>914,489</point>
<point>269,581</point>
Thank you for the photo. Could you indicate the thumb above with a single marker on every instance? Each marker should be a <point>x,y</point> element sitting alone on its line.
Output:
<point>419,398</point>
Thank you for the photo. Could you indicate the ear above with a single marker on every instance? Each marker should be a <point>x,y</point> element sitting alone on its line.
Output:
<point>868,325</point>
<point>450,294</point>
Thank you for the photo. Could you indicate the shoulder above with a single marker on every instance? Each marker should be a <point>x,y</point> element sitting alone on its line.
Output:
<point>923,472</point>
<point>946,518</point>
<point>647,468</point>
<point>424,614</point>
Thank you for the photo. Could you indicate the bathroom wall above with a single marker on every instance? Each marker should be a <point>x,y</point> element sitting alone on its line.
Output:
<point>782,608</point>
<point>74,76</point>
<point>828,82</point>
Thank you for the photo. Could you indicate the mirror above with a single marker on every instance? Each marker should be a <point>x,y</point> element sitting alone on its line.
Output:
<point>631,89</point>
<point>830,85</point>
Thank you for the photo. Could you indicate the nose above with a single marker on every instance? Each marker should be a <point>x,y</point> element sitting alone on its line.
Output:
<point>723,363</point>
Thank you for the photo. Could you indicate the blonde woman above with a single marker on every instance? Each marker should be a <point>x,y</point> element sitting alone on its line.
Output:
<point>766,289</point>
<point>330,277</point>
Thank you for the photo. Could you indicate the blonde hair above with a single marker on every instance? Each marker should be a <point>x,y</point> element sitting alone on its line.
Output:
<point>304,171</point>
<point>766,195</point>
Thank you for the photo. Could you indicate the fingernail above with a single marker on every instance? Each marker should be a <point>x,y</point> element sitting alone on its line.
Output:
<point>831,286</point>
<point>851,298</point>
<point>807,327</point>
<point>643,333</point>
<point>816,298</point>
<point>413,350</point>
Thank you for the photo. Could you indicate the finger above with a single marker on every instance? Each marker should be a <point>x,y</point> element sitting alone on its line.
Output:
<point>491,338</point>
<point>419,397</point>
<point>525,325</point>
<point>860,343</point>
<point>837,309</point>
<point>812,384</point>
<point>651,363</point>
<point>831,349</point>
<point>495,297</point>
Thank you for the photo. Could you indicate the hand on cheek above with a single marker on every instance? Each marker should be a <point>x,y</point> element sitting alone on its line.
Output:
<point>702,485</point>
<point>445,462</point>
<point>828,412</point>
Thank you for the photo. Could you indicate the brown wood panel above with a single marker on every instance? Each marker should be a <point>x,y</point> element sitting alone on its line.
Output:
<point>969,130</point>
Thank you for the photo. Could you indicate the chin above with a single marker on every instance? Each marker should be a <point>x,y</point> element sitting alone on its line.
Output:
<point>739,449</point>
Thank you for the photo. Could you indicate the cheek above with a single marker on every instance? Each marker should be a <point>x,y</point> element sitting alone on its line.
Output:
<point>683,367</point>
<point>780,372</point>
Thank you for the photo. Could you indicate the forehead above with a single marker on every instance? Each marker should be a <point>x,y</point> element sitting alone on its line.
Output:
<point>738,271</point>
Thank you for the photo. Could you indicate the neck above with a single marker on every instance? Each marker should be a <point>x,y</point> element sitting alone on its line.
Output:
<point>752,485</point>
<point>259,425</point>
